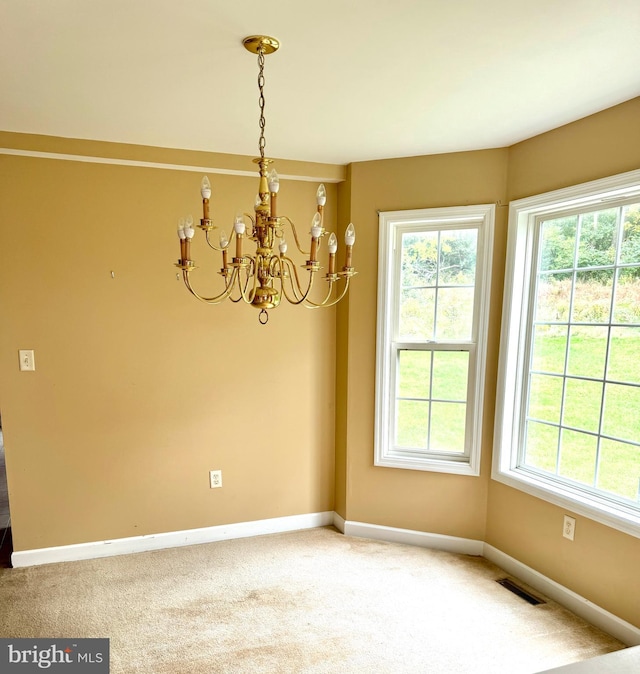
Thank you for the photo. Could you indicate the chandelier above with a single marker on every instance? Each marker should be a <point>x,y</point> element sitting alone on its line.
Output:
<point>262,278</point>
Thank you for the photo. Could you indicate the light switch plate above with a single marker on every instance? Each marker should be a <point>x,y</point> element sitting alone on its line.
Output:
<point>27,360</point>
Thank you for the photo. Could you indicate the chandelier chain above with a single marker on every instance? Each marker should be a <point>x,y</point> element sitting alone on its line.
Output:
<point>262,141</point>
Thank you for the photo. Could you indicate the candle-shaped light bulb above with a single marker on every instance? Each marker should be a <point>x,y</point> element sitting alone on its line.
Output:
<point>189,231</point>
<point>205,188</point>
<point>321,196</point>
<point>332,245</point>
<point>224,242</point>
<point>350,235</point>
<point>238,228</point>
<point>181,233</point>
<point>274,181</point>
<point>238,225</point>
<point>283,246</point>
<point>316,226</point>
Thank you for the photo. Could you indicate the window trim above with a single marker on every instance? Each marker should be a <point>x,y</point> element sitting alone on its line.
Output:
<point>518,288</point>
<point>387,298</point>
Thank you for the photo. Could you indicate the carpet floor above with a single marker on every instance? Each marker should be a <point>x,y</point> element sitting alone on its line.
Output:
<point>311,601</point>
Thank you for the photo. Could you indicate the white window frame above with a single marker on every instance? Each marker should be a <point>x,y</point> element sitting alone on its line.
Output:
<point>518,299</point>
<point>391,226</point>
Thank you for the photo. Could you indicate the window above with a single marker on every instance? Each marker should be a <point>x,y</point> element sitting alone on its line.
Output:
<point>568,414</point>
<point>433,301</point>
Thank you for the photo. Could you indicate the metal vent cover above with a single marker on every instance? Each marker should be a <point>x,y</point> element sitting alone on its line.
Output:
<point>512,586</point>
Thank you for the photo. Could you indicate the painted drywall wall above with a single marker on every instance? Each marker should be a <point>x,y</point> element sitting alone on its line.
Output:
<point>601,564</point>
<point>435,502</point>
<point>139,389</point>
<point>342,367</point>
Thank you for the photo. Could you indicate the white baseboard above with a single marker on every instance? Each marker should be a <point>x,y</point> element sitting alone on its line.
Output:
<point>593,614</point>
<point>464,546</point>
<point>338,522</point>
<point>172,539</point>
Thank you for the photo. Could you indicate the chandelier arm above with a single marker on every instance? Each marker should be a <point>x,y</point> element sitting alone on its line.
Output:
<point>297,299</point>
<point>313,305</point>
<point>239,298</point>
<point>292,300</point>
<point>243,291</point>
<point>300,299</point>
<point>217,299</point>
<point>297,286</point>
<point>279,273</point>
<point>295,235</point>
<point>280,262</point>
<point>213,245</point>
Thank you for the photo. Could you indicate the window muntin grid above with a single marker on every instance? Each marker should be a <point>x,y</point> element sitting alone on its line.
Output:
<point>431,303</point>
<point>581,408</point>
<point>437,281</point>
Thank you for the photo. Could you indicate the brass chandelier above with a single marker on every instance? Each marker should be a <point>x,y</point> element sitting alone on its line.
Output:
<point>263,278</point>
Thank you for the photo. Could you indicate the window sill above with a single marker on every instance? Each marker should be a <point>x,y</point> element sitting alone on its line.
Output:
<point>599,510</point>
<point>428,464</point>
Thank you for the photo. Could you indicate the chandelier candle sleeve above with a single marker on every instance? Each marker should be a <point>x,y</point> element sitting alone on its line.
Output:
<point>274,186</point>
<point>205,190</point>
<point>332,245</point>
<point>238,227</point>
<point>224,242</point>
<point>182,237</point>
<point>349,239</point>
<point>188,234</point>
<point>316,233</point>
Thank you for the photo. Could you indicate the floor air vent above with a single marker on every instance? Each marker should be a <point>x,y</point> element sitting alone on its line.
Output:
<point>521,592</point>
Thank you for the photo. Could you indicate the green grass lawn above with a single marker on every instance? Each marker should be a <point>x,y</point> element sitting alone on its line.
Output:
<point>572,453</point>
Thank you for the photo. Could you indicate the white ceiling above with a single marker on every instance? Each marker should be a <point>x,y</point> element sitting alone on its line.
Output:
<point>353,79</point>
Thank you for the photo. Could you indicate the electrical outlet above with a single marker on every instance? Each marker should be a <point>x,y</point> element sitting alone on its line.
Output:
<point>569,527</point>
<point>215,478</point>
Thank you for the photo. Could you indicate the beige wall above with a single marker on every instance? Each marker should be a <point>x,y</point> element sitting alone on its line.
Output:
<point>602,564</point>
<point>342,366</point>
<point>444,504</point>
<point>140,389</point>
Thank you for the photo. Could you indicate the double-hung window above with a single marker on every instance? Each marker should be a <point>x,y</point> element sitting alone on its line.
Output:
<point>433,301</point>
<point>568,413</point>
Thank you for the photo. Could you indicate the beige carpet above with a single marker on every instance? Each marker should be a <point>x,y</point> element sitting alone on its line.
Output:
<point>309,601</point>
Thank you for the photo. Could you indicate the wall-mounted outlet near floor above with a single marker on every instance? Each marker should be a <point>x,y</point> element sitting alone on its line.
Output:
<point>215,478</point>
<point>569,527</point>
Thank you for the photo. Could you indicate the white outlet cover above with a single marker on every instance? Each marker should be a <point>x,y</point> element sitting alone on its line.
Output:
<point>569,527</point>
<point>215,479</point>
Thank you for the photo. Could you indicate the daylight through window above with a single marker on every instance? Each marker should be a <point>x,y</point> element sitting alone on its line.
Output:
<point>569,421</point>
<point>432,306</point>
